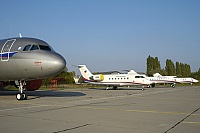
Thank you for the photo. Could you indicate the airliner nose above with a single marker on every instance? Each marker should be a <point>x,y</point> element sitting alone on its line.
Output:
<point>58,63</point>
<point>54,65</point>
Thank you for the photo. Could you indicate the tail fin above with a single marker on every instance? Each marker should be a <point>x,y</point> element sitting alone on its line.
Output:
<point>85,72</point>
<point>157,75</point>
<point>132,72</point>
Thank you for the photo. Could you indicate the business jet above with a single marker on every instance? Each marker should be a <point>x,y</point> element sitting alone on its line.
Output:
<point>162,80</point>
<point>25,61</point>
<point>113,80</point>
<point>186,80</point>
<point>171,79</point>
<point>157,78</point>
<point>159,75</point>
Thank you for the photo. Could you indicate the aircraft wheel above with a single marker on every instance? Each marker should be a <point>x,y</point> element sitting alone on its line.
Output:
<point>173,85</point>
<point>21,96</point>
<point>153,85</point>
<point>25,96</point>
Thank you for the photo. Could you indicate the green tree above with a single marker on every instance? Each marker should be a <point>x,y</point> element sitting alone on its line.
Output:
<point>153,65</point>
<point>157,64</point>
<point>46,82</point>
<point>188,70</point>
<point>170,68</point>
<point>178,69</point>
<point>150,65</point>
<point>196,74</point>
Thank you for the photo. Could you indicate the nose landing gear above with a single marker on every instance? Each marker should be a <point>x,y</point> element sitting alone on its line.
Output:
<point>21,95</point>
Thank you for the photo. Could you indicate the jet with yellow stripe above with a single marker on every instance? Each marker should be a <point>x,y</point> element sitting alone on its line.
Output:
<point>113,80</point>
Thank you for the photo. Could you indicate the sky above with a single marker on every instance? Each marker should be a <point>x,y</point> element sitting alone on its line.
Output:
<point>109,35</point>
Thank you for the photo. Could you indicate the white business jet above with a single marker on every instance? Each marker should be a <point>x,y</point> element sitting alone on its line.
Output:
<point>174,79</point>
<point>113,80</point>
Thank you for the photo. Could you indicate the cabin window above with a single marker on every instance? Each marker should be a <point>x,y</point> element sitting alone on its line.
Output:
<point>27,47</point>
<point>42,47</point>
<point>34,47</point>
<point>139,77</point>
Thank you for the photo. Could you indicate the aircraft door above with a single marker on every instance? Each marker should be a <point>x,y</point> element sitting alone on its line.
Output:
<point>5,51</point>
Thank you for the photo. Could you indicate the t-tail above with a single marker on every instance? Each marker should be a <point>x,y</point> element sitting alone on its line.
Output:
<point>85,72</point>
<point>157,75</point>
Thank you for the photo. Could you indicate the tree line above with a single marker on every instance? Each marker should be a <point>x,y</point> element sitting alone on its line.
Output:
<point>63,78</point>
<point>179,69</point>
<point>153,66</point>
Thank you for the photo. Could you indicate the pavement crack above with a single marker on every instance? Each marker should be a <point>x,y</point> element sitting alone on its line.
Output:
<point>68,129</point>
<point>182,120</point>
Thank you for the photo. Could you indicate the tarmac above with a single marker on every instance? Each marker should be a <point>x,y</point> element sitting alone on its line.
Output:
<point>96,110</point>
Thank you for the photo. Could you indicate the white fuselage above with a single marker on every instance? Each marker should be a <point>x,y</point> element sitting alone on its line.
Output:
<point>113,79</point>
<point>186,80</point>
<point>162,79</point>
<point>121,79</point>
<point>171,79</point>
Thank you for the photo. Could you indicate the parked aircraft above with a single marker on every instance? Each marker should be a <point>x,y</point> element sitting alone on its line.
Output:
<point>23,60</point>
<point>186,80</point>
<point>157,78</point>
<point>180,80</point>
<point>162,80</point>
<point>159,75</point>
<point>113,80</point>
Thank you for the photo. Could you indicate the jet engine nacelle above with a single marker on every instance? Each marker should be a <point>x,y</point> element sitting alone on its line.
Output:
<point>99,77</point>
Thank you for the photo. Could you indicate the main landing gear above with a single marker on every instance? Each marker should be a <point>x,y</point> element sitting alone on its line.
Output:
<point>173,85</point>
<point>21,95</point>
<point>114,87</point>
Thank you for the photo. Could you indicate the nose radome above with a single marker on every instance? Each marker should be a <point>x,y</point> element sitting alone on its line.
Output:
<point>59,63</point>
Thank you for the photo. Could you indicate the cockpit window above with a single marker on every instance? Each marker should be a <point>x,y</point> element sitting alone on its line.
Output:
<point>37,47</point>
<point>27,47</point>
<point>34,47</point>
<point>42,47</point>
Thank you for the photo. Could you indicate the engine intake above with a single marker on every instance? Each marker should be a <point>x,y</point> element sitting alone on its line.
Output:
<point>99,77</point>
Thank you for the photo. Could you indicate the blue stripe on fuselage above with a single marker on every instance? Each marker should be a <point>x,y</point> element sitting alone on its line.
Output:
<point>7,54</point>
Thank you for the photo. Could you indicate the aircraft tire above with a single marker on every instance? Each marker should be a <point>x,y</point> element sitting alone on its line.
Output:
<point>25,96</point>
<point>153,85</point>
<point>173,85</point>
<point>21,96</point>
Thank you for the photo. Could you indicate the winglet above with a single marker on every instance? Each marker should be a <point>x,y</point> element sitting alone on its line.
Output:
<point>20,35</point>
